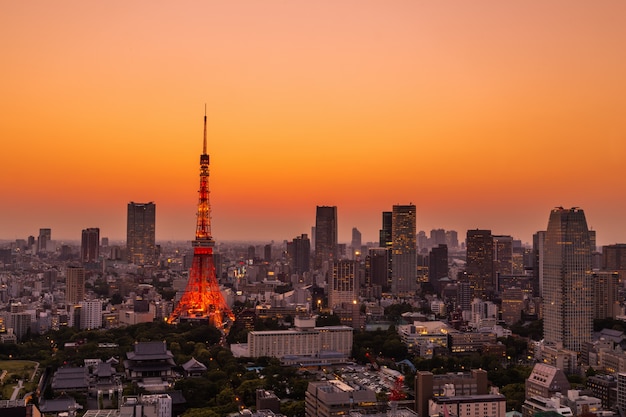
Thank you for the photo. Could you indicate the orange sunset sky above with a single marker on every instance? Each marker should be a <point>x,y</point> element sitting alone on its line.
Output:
<point>484,114</point>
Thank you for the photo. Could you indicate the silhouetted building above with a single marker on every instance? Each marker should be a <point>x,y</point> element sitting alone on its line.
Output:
<point>377,267</point>
<point>438,266</point>
<point>479,266</point>
<point>568,286</point>
<point>90,245</point>
<point>300,253</point>
<point>502,258</point>
<point>325,235</point>
<point>355,244</point>
<point>140,233</point>
<point>404,249</point>
<point>45,236</point>
<point>385,232</point>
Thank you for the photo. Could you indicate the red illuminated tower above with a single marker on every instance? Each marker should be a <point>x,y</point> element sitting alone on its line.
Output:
<point>202,299</point>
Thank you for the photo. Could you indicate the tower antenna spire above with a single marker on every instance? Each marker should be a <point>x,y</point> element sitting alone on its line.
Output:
<point>204,143</point>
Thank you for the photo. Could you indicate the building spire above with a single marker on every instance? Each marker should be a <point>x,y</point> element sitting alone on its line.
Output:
<point>204,144</point>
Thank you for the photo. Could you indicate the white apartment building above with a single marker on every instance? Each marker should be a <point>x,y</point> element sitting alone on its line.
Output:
<point>303,344</point>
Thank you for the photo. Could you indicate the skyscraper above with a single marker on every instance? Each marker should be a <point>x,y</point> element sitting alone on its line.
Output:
<point>502,259</point>
<point>90,245</point>
<point>74,285</point>
<point>385,232</point>
<point>355,244</point>
<point>479,265</point>
<point>45,235</point>
<point>404,249</point>
<point>567,280</point>
<point>437,266</point>
<point>140,233</point>
<point>325,235</point>
<point>300,253</point>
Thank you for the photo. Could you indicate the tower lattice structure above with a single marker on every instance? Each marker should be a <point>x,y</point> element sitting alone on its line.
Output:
<point>202,299</point>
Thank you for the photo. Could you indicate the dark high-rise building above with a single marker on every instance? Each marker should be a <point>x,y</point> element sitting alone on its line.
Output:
<point>567,280</point>
<point>140,233</point>
<point>539,240</point>
<point>325,235</point>
<point>479,264</point>
<point>300,254</point>
<point>385,232</point>
<point>404,249</point>
<point>437,266</point>
<point>377,267</point>
<point>355,244</point>
<point>502,258</point>
<point>45,236</point>
<point>605,294</point>
<point>90,245</point>
<point>267,252</point>
<point>614,259</point>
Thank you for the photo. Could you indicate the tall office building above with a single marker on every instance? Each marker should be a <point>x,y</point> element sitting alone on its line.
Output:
<point>567,280</point>
<point>90,245</point>
<point>355,244</point>
<point>605,294</point>
<point>91,314</point>
<point>300,253</point>
<point>539,240</point>
<point>140,233</point>
<point>614,259</point>
<point>45,236</point>
<point>74,284</point>
<point>502,259</point>
<point>343,283</point>
<point>479,266</point>
<point>377,267</point>
<point>325,235</point>
<point>404,249</point>
<point>452,239</point>
<point>437,266</point>
<point>385,232</point>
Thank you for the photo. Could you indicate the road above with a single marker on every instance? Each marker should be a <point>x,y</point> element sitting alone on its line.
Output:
<point>17,389</point>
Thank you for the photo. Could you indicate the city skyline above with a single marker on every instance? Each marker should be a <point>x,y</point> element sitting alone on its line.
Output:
<point>483,115</point>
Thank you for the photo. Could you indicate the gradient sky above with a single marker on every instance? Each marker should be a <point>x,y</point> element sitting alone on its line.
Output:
<point>484,114</point>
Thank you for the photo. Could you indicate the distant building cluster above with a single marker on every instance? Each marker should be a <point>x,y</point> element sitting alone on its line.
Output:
<point>458,298</point>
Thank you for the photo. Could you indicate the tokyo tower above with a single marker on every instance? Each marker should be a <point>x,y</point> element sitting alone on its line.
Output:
<point>202,300</point>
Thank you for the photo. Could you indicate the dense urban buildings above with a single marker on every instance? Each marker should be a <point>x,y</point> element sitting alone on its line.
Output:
<point>140,233</point>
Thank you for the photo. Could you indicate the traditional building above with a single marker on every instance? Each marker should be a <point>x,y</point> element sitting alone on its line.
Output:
<point>150,365</point>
